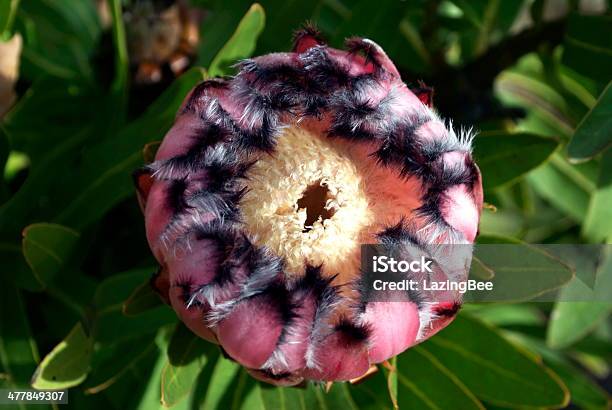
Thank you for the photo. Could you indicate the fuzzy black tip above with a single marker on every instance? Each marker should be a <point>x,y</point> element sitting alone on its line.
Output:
<point>357,45</point>
<point>176,195</point>
<point>448,311</point>
<point>199,91</point>
<point>274,376</point>
<point>185,285</point>
<point>351,332</point>
<point>277,295</point>
<point>306,37</point>
<point>398,233</point>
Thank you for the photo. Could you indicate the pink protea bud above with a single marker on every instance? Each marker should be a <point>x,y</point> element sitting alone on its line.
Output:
<point>268,183</point>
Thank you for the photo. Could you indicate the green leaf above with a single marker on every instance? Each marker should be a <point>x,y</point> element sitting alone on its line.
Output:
<point>4,155</point>
<point>45,115</point>
<point>392,383</point>
<point>508,315</point>
<point>150,398</point>
<point>498,221</point>
<point>488,21</point>
<point>142,299</point>
<point>113,291</point>
<point>61,38</point>
<point>8,10</point>
<point>370,394</point>
<point>339,396</point>
<point>279,398</point>
<point>18,351</point>
<point>46,248</point>
<point>187,356</point>
<point>488,17</point>
<point>544,104</point>
<point>282,18</point>
<point>378,391</point>
<point>598,221</point>
<point>230,387</point>
<point>503,157</point>
<point>226,384</point>
<point>105,178</point>
<point>384,22</point>
<point>111,325</point>
<point>67,364</point>
<point>495,369</point>
<point>554,185</point>
<point>588,46</point>
<point>584,391</point>
<point>218,26</point>
<point>15,212</point>
<point>594,133</point>
<point>111,364</point>
<point>580,308</point>
<point>417,56</point>
<point>242,43</point>
<point>119,86</point>
<point>519,271</point>
<point>417,367</point>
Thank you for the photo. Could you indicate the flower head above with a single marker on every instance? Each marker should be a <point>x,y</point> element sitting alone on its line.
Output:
<point>268,183</point>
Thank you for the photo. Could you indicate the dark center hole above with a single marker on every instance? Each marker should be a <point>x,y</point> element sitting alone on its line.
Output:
<point>313,200</point>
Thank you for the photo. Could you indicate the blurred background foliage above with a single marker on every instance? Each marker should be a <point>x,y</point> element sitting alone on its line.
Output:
<point>88,86</point>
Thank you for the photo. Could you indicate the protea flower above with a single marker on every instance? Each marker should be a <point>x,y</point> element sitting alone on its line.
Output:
<point>267,184</point>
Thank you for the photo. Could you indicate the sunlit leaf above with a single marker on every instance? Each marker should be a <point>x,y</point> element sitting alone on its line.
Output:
<point>278,398</point>
<point>150,397</point>
<point>503,157</point>
<point>377,391</point>
<point>584,391</point>
<point>598,221</point>
<point>8,10</point>
<point>508,314</point>
<point>226,386</point>
<point>67,364</point>
<point>542,102</point>
<point>242,43</point>
<point>552,184</point>
<point>519,271</point>
<point>493,368</point>
<point>187,356</point>
<point>581,308</point>
<point>416,368</point>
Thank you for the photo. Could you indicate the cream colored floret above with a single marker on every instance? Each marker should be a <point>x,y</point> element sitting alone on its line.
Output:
<point>277,182</point>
